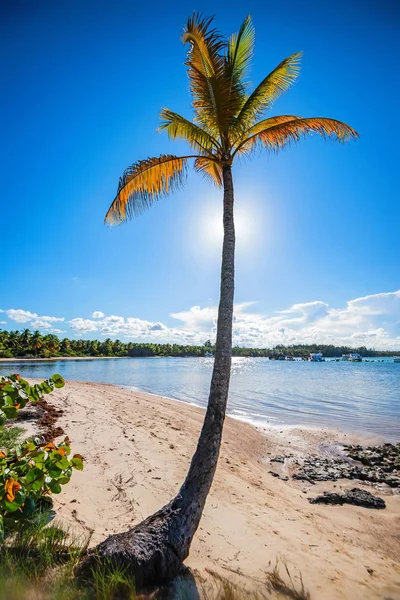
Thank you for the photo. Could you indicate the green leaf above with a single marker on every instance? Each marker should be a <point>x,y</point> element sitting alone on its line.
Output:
<point>63,480</point>
<point>45,388</point>
<point>61,460</point>
<point>54,486</point>
<point>30,446</point>
<point>35,479</point>
<point>9,399</point>
<point>77,464</point>
<point>17,502</point>
<point>8,388</point>
<point>58,380</point>
<point>55,472</point>
<point>10,411</point>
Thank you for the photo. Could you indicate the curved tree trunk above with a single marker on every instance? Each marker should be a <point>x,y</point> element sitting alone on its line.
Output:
<point>155,549</point>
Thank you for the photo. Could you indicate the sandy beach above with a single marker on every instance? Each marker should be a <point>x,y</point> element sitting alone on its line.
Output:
<point>137,448</point>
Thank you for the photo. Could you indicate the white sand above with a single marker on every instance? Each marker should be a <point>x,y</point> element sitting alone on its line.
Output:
<point>137,449</point>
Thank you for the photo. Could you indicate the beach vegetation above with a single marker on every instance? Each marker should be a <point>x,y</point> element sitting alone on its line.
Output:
<point>14,345</point>
<point>31,471</point>
<point>229,124</point>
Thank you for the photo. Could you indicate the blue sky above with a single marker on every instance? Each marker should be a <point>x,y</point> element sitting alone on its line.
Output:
<point>85,82</point>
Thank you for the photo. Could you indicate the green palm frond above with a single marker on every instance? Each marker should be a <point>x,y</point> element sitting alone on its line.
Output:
<point>240,51</point>
<point>179,127</point>
<point>145,182</point>
<point>278,136</point>
<point>265,94</point>
<point>211,169</point>
<point>205,69</point>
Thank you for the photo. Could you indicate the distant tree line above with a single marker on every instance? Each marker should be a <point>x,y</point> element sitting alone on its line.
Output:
<point>28,344</point>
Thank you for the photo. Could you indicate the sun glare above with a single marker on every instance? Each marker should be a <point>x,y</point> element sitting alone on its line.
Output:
<point>212,227</point>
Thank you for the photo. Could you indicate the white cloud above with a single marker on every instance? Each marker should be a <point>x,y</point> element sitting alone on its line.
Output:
<point>3,322</point>
<point>34,320</point>
<point>85,325</point>
<point>372,320</point>
<point>197,317</point>
<point>20,316</point>
<point>98,314</point>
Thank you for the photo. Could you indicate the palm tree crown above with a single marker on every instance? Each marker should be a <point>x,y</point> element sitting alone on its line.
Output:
<point>227,118</point>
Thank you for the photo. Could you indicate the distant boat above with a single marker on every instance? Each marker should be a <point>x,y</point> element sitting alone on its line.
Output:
<point>396,359</point>
<point>345,356</point>
<point>208,355</point>
<point>316,357</point>
<point>355,357</point>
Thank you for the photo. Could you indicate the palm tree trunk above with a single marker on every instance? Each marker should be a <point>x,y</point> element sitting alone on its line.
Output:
<point>155,549</point>
<point>194,491</point>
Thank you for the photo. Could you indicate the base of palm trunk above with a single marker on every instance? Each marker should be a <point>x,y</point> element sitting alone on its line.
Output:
<point>149,552</point>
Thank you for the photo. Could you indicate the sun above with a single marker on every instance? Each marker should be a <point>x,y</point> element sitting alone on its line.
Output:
<point>213,230</point>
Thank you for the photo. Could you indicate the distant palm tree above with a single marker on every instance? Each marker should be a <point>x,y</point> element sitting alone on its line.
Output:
<point>26,337</point>
<point>37,341</point>
<point>51,343</point>
<point>228,124</point>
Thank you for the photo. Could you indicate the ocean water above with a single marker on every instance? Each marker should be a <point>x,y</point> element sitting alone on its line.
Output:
<point>358,397</point>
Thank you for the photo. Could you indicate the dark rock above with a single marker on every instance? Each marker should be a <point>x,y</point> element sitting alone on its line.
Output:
<point>278,459</point>
<point>386,456</point>
<point>380,464</point>
<point>355,496</point>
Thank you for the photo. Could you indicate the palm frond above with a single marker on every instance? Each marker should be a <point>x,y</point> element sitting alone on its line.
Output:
<point>205,65</point>
<point>265,94</point>
<point>145,182</point>
<point>249,135</point>
<point>277,136</point>
<point>240,51</point>
<point>179,127</point>
<point>210,169</point>
<point>205,45</point>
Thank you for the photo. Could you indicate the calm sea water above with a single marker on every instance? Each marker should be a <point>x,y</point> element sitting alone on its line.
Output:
<point>362,397</point>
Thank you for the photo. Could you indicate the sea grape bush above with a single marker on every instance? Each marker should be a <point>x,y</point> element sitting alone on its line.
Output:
<point>33,470</point>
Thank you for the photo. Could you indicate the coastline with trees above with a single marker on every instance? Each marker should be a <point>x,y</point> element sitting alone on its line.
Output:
<point>27,344</point>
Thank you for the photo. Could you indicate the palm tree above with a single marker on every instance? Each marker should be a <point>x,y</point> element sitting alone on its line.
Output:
<point>37,341</point>
<point>228,124</point>
<point>26,337</point>
<point>51,343</point>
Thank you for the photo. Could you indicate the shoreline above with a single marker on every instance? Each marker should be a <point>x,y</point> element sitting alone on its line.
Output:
<point>362,437</point>
<point>56,358</point>
<point>137,449</point>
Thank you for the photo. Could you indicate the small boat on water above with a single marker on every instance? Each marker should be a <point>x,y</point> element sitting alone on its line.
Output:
<point>316,357</point>
<point>396,359</point>
<point>345,356</point>
<point>208,355</point>
<point>355,357</point>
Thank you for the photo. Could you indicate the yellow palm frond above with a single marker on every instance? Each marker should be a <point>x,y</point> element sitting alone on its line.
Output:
<point>265,94</point>
<point>211,169</point>
<point>277,136</point>
<point>258,127</point>
<point>145,182</point>
<point>179,127</point>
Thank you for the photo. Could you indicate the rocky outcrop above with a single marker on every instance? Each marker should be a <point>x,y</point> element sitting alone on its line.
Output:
<point>379,464</point>
<point>355,496</point>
